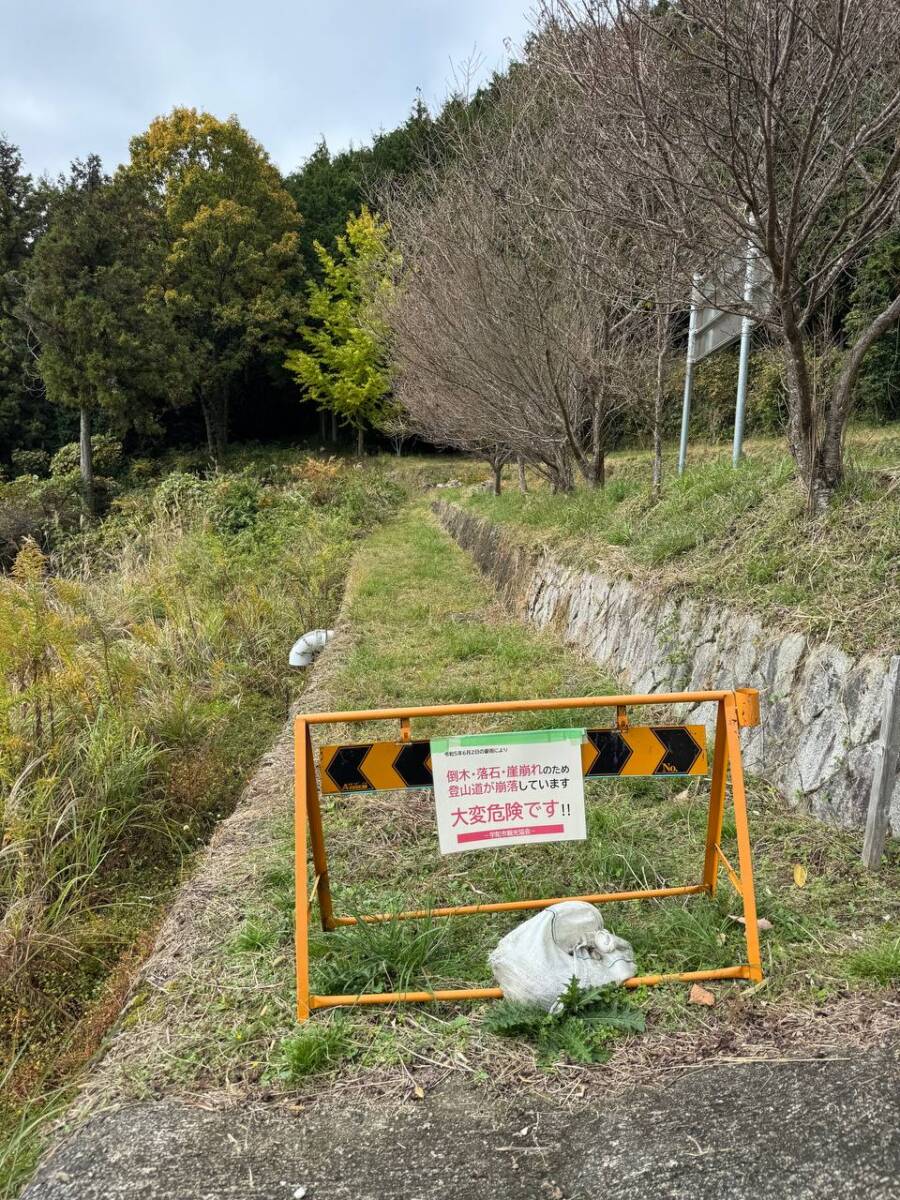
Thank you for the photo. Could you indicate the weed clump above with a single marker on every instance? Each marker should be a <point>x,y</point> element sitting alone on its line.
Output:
<point>879,963</point>
<point>315,1048</point>
<point>581,1029</point>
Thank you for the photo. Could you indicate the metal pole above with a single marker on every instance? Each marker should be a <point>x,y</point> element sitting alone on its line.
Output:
<point>746,325</point>
<point>688,377</point>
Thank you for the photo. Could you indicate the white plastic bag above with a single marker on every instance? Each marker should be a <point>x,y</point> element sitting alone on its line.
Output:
<point>535,962</point>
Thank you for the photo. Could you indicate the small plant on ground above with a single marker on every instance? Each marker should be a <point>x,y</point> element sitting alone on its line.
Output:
<point>880,963</point>
<point>315,1048</point>
<point>384,955</point>
<point>581,1028</point>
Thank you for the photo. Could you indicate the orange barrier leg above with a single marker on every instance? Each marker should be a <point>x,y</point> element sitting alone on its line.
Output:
<point>716,802</point>
<point>745,862</point>
<point>301,901</point>
<point>317,836</point>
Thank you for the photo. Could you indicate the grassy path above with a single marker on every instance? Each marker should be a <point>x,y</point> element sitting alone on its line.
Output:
<point>421,625</point>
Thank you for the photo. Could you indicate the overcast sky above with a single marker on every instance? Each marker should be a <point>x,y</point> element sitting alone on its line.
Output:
<point>83,76</point>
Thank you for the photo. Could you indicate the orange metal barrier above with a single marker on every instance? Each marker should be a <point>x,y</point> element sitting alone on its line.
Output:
<point>735,709</point>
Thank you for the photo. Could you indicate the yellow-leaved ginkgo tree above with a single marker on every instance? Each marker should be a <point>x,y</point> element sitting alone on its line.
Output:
<point>342,364</point>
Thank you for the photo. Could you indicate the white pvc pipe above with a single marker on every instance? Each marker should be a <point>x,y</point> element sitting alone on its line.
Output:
<point>306,648</point>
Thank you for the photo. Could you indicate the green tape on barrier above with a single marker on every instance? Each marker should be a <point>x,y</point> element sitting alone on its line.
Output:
<point>523,737</point>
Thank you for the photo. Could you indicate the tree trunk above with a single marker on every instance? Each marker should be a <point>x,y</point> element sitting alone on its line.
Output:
<point>334,428</point>
<point>597,477</point>
<point>801,417</point>
<point>86,462</point>
<point>562,480</point>
<point>657,421</point>
<point>360,441</point>
<point>657,451</point>
<point>497,471</point>
<point>523,478</point>
<point>215,415</point>
<point>323,426</point>
<point>841,398</point>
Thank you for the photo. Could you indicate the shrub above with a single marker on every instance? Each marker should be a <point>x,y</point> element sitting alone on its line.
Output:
<point>142,470</point>
<point>31,462</point>
<point>179,496</point>
<point>107,457</point>
<point>234,502</point>
<point>40,509</point>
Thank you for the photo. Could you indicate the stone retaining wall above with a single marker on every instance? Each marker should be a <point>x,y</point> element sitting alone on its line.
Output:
<point>821,708</point>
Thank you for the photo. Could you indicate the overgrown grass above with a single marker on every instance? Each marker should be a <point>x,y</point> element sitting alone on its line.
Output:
<point>142,670</point>
<point>742,536</point>
<point>426,628</point>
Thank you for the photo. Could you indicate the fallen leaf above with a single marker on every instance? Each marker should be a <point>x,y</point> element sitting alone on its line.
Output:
<point>700,995</point>
<point>800,875</point>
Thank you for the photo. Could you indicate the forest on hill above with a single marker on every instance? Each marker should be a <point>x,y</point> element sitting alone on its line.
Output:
<point>511,276</point>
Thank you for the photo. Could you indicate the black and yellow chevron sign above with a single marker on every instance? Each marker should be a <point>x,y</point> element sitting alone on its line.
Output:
<point>638,750</point>
<point>645,750</point>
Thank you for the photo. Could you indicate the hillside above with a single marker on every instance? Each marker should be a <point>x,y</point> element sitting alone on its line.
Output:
<point>742,536</point>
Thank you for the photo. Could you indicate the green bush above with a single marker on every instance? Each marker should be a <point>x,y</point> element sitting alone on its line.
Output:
<point>107,457</point>
<point>179,495</point>
<point>715,394</point>
<point>234,502</point>
<point>31,462</point>
<point>42,510</point>
<point>877,391</point>
<point>142,470</point>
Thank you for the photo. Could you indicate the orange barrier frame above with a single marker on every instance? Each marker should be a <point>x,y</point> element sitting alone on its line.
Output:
<point>735,710</point>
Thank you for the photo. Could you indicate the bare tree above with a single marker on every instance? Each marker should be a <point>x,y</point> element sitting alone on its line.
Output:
<point>508,336</point>
<point>769,120</point>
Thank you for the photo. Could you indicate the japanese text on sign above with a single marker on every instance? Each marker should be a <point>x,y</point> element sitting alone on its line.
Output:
<point>508,789</point>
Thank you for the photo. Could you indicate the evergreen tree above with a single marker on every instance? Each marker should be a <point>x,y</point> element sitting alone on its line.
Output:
<point>23,412</point>
<point>89,299</point>
<point>328,189</point>
<point>231,249</point>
